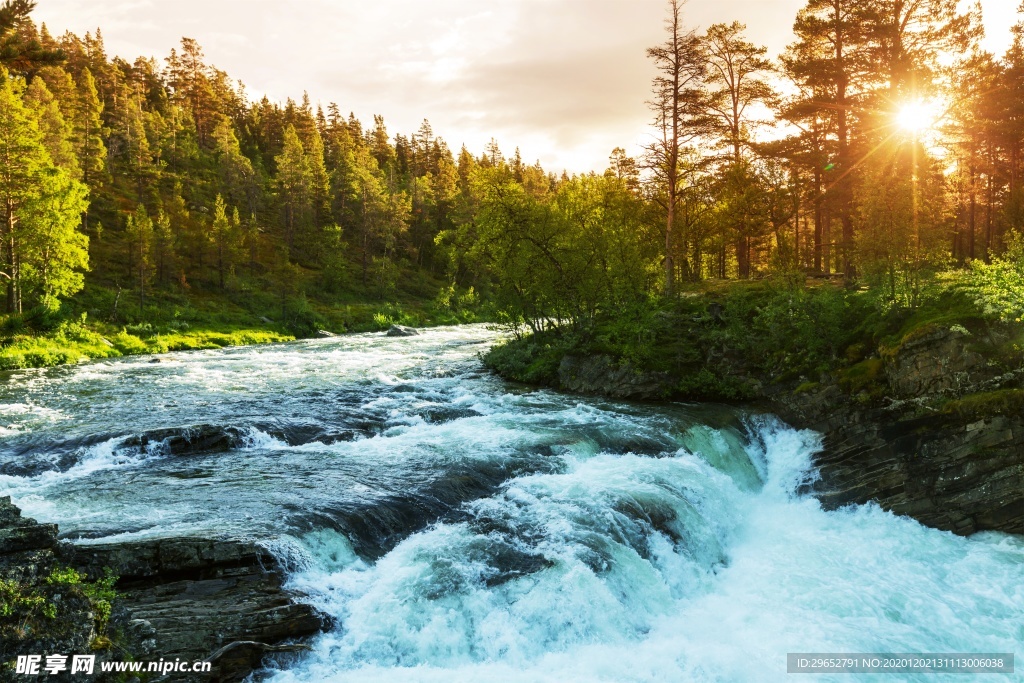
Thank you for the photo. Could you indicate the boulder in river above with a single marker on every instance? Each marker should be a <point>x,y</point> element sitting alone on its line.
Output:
<point>323,334</point>
<point>401,331</point>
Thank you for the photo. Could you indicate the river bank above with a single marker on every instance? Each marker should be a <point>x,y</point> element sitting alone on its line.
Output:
<point>439,523</point>
<point>922,413</point>
<point>70,341</point>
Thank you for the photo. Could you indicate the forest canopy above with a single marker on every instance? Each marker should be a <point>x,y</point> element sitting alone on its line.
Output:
<point>883,146</point>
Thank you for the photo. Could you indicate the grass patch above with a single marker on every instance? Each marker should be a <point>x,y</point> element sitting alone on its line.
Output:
<point>76,342</point>
<point>988,403</point>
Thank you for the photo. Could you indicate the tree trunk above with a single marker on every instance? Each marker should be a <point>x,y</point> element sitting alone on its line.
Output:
<point>9,258</point>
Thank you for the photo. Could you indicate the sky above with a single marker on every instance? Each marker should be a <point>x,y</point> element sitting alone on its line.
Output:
<point>563,80</point>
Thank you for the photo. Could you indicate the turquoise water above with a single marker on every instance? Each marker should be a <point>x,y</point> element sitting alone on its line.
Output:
<point>460,528</point>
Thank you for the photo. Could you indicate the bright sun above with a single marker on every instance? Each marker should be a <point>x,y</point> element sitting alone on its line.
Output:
<point>916,117</point>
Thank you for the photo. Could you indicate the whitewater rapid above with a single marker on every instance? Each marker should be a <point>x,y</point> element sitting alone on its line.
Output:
<point>458,528</point>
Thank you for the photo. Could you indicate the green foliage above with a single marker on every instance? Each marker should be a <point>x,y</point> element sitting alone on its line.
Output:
<point>44,253</point>
<point>128,344</point>
<point>707,385</point>
<point>998,288</point>
<point>534,359</point>
<point>556,258</point>
<point>100,593</point>
<point>19,604</point>
<point>301,319</point>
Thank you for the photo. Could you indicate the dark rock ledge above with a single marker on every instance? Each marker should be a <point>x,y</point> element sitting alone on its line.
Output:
<point>193,598</point>
<point>944,445</point>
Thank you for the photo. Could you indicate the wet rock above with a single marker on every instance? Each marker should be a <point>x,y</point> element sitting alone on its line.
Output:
<point>323,334</point>
<point>378,523</point>
<point>508,563</point>
<point>401,331</point>
<point>29,552</point>
<point>179,597</point>
<point>604,376</point>
<point>958,470</point>
<point>24,542</point>
<point>190,440</point>
<point>946,472</point>
<point>936,361</point>
<point>236,660</point>
<point>193,597</point>
<point>440,414</point>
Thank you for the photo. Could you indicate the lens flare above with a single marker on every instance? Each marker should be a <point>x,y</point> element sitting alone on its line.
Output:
<point>916,117</point>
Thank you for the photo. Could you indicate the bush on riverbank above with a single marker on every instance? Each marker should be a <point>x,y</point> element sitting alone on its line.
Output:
<point>722,341</point>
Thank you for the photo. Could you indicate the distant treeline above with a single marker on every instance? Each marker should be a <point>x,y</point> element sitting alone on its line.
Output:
<point>901,154</point>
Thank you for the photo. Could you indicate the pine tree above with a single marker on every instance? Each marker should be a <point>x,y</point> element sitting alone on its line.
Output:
<point>23,164</point>
<point>736,82</point>
<point>677,96</point>
<point>139,231</point>
<point>294,184</point>
<point>222,237</point>
<point>163,246</point>
<point>20,48</point>
<point>238,178</point>
<point>57,133</point>
<point>88,131</point>
<point>54,251</point>
<point>833,59</point>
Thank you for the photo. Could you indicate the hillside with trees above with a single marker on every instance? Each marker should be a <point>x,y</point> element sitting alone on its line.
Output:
<point>882,151</point>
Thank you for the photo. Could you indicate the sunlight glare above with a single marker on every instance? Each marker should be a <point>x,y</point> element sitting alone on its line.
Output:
<point>915,117</point>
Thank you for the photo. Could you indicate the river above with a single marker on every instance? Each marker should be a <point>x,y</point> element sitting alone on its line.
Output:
<point>460,528</point>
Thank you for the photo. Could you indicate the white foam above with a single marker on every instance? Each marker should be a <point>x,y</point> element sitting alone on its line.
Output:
<point>795,579</point>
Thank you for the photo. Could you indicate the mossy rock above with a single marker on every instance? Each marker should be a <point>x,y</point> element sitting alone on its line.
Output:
<point>863,376</point>
<point>987,404</point>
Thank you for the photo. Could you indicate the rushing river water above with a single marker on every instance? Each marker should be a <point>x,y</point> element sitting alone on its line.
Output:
<point>459,528</point>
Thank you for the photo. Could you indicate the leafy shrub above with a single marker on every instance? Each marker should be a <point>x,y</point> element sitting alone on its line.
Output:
<point>128,344</point>
<point>534,359</point>
<point>301,320</point>
<point>998,288</point>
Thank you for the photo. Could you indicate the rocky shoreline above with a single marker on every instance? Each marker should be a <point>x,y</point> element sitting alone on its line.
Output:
<point>941,439</point>
<point>197,599</point>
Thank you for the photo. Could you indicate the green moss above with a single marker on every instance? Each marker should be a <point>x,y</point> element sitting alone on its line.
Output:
<point>806,387</point>
<point>863,376</point>
<point>74,344</point>
<point>988,404</point>
<point>20,604</point>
